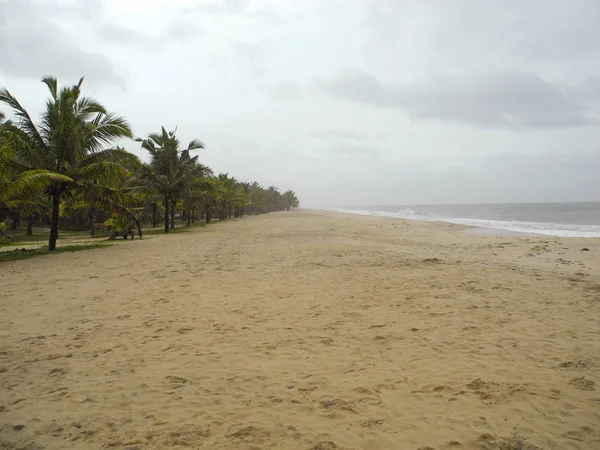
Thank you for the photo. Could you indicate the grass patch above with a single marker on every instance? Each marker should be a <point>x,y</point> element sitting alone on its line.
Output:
<point>18,254</point>
<point>41,234</point>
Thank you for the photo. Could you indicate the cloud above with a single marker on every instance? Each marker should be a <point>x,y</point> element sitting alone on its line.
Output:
<point>106,28</point>
<point>338,134</point>
<point>479,32</point>
<point>32,45</point>
<point>285,90</point>
<point>501,98</point>
<point>54,36</point>
<point>251,55</point>
<point>233,8</point>
<point>44,48</point>
<point>354,150</point>
<point>343,134</point>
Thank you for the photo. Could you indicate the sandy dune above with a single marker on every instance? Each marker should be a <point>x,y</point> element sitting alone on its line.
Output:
<point>304,330</point>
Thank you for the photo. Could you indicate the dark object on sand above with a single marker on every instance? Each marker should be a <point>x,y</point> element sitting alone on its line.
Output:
<point>123,233</point>
<point>432,260</point>
<point>585,249</point>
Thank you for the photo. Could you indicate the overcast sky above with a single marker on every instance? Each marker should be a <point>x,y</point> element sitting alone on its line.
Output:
<point>348,102</point>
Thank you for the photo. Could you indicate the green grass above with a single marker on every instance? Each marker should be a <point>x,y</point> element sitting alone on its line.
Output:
<point>17,254</point>
<point>67,238</point>
<point>40,234</point>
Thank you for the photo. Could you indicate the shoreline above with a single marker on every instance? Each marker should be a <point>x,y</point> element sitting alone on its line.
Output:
<point>305,330</point>
<point>473,229</point>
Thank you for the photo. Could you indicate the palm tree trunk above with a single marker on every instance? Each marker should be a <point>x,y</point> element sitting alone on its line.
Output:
<point>92,219</point>
<point>154,214</point>
<point>194,215</point>
<point>54,222</point>
<point>173,205</point>
<point>30,225</point>
<point>167,200</point>
<point>189,218</point>
<point>15,222</point>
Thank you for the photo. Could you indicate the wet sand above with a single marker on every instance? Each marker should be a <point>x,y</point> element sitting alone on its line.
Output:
<point>305,330</point>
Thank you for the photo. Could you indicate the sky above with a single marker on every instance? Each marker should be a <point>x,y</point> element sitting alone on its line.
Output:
<point>347,102</point>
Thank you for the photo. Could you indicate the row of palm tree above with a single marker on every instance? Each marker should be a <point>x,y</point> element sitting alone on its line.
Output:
<point>67,166</point>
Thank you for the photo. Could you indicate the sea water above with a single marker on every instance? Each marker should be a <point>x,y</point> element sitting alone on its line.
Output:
<point>551,219</point>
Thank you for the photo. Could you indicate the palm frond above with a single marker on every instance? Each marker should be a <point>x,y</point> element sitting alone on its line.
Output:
<point>115,155</point>
<point>52,84</point>
<point>25,121</point>
<point>195,144</point>
<point>106,129</point>
<point>86,107</point>
<point>100,172</point>
<point>33,182</point>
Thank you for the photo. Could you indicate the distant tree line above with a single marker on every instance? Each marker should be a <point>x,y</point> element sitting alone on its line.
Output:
<point>64,171</point>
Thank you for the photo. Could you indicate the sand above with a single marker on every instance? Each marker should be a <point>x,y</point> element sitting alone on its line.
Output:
<point>305,330</point>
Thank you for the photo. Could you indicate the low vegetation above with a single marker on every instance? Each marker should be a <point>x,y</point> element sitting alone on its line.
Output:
<point>65,174</point>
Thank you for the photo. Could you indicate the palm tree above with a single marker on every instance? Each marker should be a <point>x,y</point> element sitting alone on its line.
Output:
<point>198,193</point>
<point>289,200</point>
<point>20,189</point>
<point>273,199</point>
<point>69,141</point>
<point>232,196</point>
<point>170,170</point>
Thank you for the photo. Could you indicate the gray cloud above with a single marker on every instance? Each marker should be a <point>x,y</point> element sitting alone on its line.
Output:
<point>251,55</point>
<point>502,98</point>
<point>355,150</point>
<point>565,32</point>
<point>338,134</point>
<point>33,41</point>
<point>175,27</point>
<point>427,116</point>
<point>171,32</point>
<point>232,8</point>
<point>343,134</point>
<point>475,32</point>
<point>285,90</point>
<point>31,46</point>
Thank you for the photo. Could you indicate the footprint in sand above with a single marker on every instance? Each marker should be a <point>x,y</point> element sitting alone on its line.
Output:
<point>583,384</point>
<point>336,404</point>
<point>574,365</point>
<point>325,445</point>
<point>57,372</point>
<point>250,434</point>
<point>175,382</point>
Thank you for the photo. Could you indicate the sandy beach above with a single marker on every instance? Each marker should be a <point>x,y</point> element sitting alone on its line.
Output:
<point>305,330</point>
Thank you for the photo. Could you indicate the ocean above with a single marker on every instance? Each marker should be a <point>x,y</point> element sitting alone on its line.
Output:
<point>549,219</point>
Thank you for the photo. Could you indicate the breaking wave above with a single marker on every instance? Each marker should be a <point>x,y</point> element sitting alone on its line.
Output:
<point>539,228</point>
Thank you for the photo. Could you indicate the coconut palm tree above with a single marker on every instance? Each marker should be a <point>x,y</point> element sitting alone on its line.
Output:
<point>289,200</point>
<point>69,141</point>
<point>171,170</point>
<point>20,189</point>
<point>199,193</point>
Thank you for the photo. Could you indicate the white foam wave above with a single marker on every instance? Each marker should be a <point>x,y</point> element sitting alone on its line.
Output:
<point>407,213</point>
<point>540,228</point>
